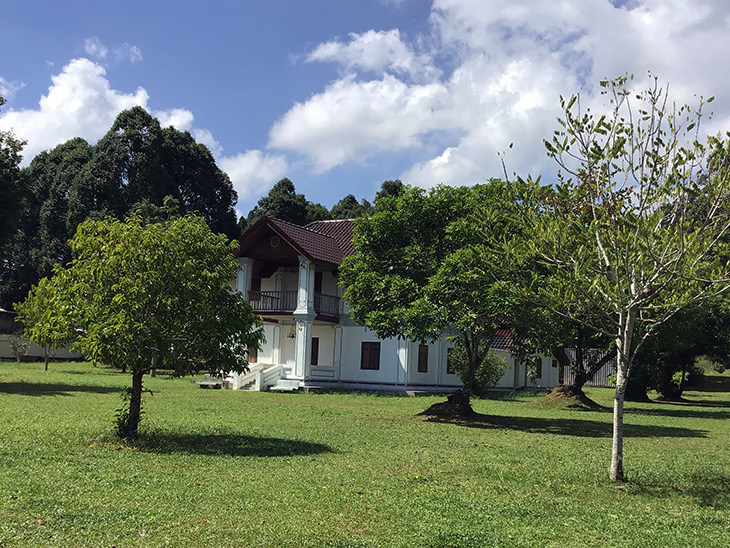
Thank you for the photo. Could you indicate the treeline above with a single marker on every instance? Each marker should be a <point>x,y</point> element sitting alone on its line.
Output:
<point>283,202</point>
<point>137,167</point>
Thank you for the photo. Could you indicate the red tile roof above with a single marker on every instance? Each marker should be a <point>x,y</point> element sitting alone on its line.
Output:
<point>322,241</point>
<point>340,230</point>
<point>502,340</point>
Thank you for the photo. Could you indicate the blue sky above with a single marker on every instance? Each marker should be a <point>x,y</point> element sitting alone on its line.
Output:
<point>339,95</point>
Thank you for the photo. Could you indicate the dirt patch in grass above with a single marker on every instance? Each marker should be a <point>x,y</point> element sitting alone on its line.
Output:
<point>455,407</point>
<point>564,398</point>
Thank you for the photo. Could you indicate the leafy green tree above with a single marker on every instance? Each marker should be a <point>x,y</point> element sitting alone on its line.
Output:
<point>389,188</point>
<point>282,202</point>
<point>144,295</point>
<point>42,322</point>
<point>132,168</point>
<point>418,270</point>
<point>317,212</point>
<point>10,184</point>
<point>614,230</point>
<point>350,208</point>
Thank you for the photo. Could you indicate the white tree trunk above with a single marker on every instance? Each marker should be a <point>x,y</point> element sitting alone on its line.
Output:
<point>623,347</point>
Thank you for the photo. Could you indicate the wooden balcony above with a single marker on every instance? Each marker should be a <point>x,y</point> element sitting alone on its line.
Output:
<point>285,302</point>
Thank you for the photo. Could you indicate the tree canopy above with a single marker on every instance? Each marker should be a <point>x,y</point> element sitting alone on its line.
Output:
<point>136,164</point>
<point>144,295</point>
<point>622,252</point>
<point>418,269</point>
<point>11,188</point>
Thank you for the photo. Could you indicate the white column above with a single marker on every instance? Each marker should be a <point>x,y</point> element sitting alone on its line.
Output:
<point>305,291</point>
<point>304,316</point>
<point>276,346</point>
<point>337,356</point>
<point>244,275</point>
<point>303,353</point>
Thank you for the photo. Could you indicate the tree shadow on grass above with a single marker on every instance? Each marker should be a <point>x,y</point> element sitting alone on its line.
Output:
<point>709,490</point>
<point>234,445</point>
<point>568,427</point>
<point>674,409</point>
<point>52,389</point>
<point>713,383</point>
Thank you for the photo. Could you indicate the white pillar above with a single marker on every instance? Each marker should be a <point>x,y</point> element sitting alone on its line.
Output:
<point>244,275</point>
<point>276,346</point>
<point>337,356</point>
<point>304,316</point>
<point>305,291</point>
<point>303,352</point>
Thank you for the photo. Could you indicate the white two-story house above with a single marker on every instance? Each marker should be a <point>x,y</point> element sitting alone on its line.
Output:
<point>289,274</point>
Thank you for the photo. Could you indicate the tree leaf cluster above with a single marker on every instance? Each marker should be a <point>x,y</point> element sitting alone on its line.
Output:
<point>133,167</point>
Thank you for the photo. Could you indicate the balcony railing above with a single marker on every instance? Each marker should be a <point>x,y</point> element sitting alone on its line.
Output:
<point>272,302</point>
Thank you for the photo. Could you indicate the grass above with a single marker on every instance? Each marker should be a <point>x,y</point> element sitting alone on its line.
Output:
<point>221,468</point>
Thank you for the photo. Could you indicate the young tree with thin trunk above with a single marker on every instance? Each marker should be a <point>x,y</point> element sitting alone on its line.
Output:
<point>143,294</point>
<point>614,233</point>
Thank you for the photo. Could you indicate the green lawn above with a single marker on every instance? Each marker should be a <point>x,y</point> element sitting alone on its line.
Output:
<point>221,468</point>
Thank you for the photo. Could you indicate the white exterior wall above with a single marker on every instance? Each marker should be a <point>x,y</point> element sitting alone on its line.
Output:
<point>34,351</point>
<point>352,339</point>
<point>508,377</point>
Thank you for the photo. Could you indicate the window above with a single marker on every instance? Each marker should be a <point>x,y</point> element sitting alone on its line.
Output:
<point>423,358</point>
<point>370,356</point>
<point>318,282</point>
<point>449,362</point>
<point>253,355</point>
<point>315,351</point>
<point>255,284</point>
<point>538,368</point>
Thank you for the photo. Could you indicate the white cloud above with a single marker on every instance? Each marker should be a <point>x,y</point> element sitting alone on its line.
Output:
<point>98,51</point>
<point>179,118</point>
<point>253,172</point>
<point>127,51</point>
<point>484,78</point>
<point>205,137</point>
<point>9,89</point>
<point>352,120</point>
<point>95,48</point>
<point>79,103</point>
<point>375,51</point>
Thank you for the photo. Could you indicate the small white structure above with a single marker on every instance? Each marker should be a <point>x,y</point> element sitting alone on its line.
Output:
<point>289,275</point>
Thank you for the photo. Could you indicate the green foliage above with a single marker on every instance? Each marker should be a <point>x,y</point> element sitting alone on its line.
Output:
<point>18,345</point>
<point>487,373</point>
<point>419,267</point>
<point>134,167</point>
<point>283,203</point>
<point>621,250</point>
<point>45,322</point>
<point>143,293</point>
<point>12,191</point>
<point>349,208</point>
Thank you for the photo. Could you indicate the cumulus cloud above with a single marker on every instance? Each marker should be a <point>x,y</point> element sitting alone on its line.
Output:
<point>253,172</point>
<point>481,79</point>
<point>127,51</point>
<point>377,52</point>
<point>352,119</point>
<point>98,51</point>
<point>94,47</point>
<point>179,118</point>
<point>82,103</point>
<point>79,103</point>
<point>9,89</point>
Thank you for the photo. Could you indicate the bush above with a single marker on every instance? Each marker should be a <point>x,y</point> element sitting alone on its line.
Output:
<point>488,373</point>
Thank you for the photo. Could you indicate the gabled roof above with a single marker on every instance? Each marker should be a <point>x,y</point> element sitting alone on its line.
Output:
<point>320,242</point>
<point>502,340</point>
<point>340,230</point>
